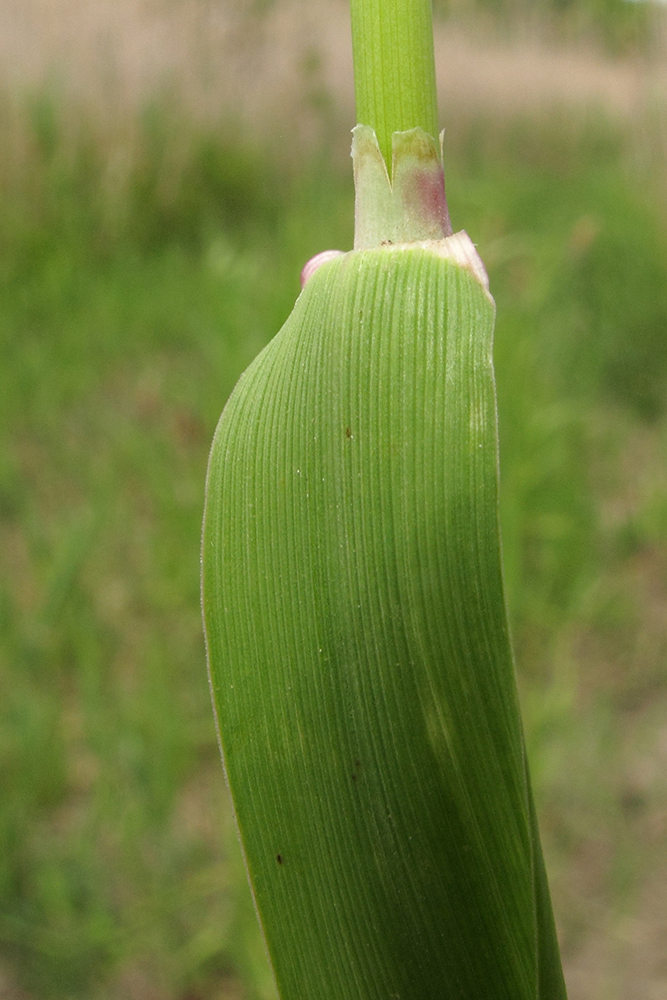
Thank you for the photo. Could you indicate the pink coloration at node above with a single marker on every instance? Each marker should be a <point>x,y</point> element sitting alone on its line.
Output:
<point>315,262</point>
<point>425,196</point>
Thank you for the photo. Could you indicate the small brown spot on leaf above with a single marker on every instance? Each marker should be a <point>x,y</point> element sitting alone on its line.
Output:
<point>279,858</point>
<point>348,432</point>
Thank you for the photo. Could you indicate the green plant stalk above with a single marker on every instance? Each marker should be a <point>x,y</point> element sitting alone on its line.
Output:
<point>394,68</point>
<point>359,654</point>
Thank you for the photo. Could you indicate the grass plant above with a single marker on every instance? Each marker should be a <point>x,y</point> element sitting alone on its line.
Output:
<point>127,309</point>
<point>359,655</point>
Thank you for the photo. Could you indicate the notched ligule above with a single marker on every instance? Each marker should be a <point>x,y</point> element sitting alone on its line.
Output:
<point>407,210</point>
<point>406,207</point>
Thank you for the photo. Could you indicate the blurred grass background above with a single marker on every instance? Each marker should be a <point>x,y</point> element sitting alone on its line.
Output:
<point>159,194</point>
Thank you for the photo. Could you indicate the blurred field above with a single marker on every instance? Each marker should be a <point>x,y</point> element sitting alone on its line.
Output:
<point>152,230</point>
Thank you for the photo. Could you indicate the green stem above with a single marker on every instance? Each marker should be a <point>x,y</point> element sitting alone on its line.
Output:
<point>394,68</point>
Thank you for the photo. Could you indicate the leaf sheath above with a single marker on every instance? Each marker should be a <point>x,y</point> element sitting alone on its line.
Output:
<point>358,649</point>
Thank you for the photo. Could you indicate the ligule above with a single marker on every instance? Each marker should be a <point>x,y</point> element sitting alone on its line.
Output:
<point>358,647</point>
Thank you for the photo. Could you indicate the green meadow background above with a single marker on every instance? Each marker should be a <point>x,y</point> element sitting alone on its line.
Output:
<point>149,247</point>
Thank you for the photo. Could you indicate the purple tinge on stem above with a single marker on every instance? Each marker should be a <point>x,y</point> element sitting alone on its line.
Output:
<point>418,182</point>
<point>424,199</point>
